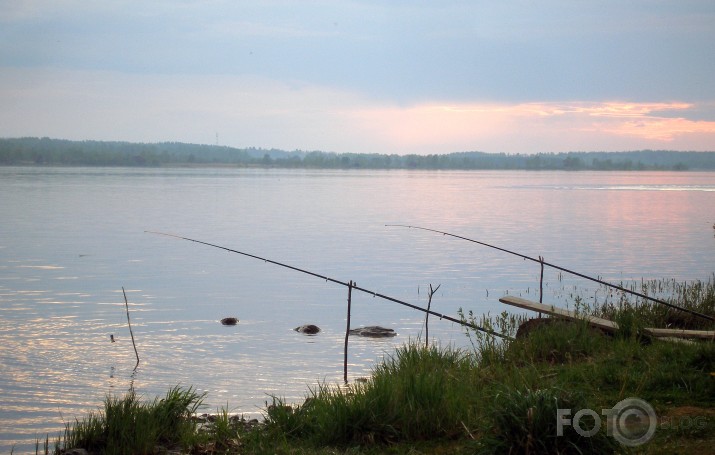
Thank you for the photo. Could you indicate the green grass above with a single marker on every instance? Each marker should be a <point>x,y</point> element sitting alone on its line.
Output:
<point>523,421</point>
<point>498,397</point>
<point>627,308</point>
<point>128,425</point>
<point>415,395</point>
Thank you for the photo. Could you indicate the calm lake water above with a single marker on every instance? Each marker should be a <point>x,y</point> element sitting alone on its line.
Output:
<point>71,238</point>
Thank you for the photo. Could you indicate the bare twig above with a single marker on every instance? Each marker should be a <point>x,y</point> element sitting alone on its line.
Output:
<point>126,304</point>
<point>429,304</point>
<point>467,430</point>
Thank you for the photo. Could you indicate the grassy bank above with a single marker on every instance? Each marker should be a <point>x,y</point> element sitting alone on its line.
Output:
<point>500,397</point>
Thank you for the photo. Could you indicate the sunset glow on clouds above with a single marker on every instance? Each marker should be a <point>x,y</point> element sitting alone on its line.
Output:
<point>490,123</point>
<point>363,76</point>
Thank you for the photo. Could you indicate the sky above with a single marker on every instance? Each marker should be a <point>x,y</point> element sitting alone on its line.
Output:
<point>363,76</point>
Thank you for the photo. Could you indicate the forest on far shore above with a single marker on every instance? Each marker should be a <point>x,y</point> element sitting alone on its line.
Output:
<point>31,151</point>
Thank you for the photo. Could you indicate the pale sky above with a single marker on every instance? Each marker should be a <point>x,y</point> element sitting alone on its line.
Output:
<point>363,76</point>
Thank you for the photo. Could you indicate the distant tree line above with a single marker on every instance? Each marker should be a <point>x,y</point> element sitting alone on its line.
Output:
<point>57,152</point>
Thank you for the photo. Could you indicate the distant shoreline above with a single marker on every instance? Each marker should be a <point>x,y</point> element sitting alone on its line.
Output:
<point>347,169</point>
<point>65,153</point>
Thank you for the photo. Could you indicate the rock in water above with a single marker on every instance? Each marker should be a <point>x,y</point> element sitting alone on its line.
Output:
<point>308,329</point>
<point>373,331</point>
<point>229,321</point>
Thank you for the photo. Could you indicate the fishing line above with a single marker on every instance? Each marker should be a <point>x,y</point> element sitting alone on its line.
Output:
<point>342,283</point>
<point>615,286</point>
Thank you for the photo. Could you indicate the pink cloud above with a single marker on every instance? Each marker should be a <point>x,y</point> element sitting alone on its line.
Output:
<point>251,111</point>
<point>567,126</point>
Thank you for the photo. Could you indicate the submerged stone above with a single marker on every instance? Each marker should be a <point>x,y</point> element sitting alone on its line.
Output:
<point>373,331</point>
<point>308,329</point>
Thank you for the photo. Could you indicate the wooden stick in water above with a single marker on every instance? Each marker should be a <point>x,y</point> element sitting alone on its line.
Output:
<point>347,333</point>
<point>541,282</point>
<point>126,304</point>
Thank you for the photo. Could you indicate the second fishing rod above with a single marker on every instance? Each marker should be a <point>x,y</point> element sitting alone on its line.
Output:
<point>563,269</point>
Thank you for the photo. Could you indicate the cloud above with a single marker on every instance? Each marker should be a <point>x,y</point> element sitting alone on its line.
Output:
<point>246,111</point>
<point>661,129</point>
<point>519,127</point>
<point>255,111</point>
<point>363,75</point>
<point>404,52</point>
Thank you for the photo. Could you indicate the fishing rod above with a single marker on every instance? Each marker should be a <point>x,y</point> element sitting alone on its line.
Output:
<point>333,280</point>
<point>540,261</point>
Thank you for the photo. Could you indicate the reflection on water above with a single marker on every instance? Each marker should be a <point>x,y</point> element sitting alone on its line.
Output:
<point>55,368</point>
<point>77,237</point>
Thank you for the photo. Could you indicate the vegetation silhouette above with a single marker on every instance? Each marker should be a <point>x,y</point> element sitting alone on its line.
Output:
<point>58,152</point>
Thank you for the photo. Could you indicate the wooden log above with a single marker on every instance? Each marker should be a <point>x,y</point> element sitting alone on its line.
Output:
<point>601,323</point>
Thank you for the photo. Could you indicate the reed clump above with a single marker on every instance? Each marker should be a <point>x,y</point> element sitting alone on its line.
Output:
<point>128,425</point>
<point>621,306</point>
<point>522,421</point>
<point>417,394</point>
